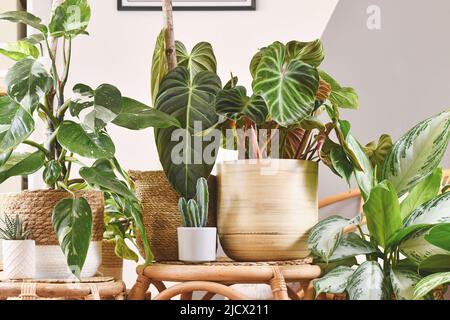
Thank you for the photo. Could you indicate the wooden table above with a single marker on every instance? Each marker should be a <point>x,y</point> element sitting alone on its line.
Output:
<point>215,279</point>
<point>98,288</point>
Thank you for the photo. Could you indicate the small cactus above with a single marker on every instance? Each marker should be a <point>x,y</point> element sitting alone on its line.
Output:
<point>13,229</point>
<point>194,213</point>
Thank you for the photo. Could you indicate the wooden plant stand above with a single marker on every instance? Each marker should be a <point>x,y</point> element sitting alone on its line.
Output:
<point>98,288</point>
<point>215,279</point>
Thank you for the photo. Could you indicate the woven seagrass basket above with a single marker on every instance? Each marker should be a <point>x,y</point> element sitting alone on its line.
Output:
<point>112,265</point>
<point>160,210</point>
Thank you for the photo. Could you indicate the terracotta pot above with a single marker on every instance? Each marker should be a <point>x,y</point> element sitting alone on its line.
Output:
<point>35,209</point>
<point>266,208</point>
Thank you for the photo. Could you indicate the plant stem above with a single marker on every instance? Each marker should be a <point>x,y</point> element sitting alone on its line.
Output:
<point>50,115</point>
<point>41,148</point>
<point>273,132</point>
<point>170,35</point>
<point>303,145</point>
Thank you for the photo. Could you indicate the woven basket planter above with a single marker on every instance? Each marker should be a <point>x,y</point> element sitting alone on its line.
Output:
<point>160,210</point>
<point>112,265</point>
<point>35,209</point>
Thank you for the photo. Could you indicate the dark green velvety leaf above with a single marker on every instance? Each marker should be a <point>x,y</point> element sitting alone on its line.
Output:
<point>21,164</point>
<point>28,82</point>
<point>52,172</point>
<point>72,222</point>
<point>24,17</point>
<point>74,138</point>
<point>309,52</point>
<point>20,50</point>
<point>232,83</point>
<point>201,58</point>
<point>137,116</point>
<point>16,124</point>
<point>70,19</point>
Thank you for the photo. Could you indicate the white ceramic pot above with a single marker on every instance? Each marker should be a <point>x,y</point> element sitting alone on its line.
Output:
<point>197,244</point>
<point>19,259</point>
<point>1,255</point>
<point>51,262</point>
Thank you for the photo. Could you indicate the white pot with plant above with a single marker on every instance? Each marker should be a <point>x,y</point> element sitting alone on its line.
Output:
<point>18,250</point>
<point>196,242</point>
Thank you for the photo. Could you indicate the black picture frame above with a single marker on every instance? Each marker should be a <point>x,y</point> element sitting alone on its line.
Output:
<point>251,7</point>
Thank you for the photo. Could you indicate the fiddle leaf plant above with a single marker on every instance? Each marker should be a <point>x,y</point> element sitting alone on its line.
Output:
<point>33,89</point>
<point>408,222</point>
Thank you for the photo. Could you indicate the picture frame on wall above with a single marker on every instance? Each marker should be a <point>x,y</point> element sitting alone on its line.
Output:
<point>139,5</point>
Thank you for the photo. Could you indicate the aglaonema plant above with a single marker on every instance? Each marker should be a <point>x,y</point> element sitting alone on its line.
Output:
<point>403,251</point>
<point>37,92</point>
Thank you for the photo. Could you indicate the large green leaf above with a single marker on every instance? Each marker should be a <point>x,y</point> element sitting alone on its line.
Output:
<point>289,87</point>
<point>341,163</point>
<point>404,233</point>
<point>434,211</point>
<point>137,116</point>
<point>16,124</point>
<point>256,60</point>
<point>351,246</point>
<point>159,64</point>
<point>334,282</point>
<point>418,249</point>
<point>436,263</point>
<point>308,52</point>
<point>341,97</point>
<point>201,58</point>
<point>20,50</point>
<point>430,283</point>
<point>191,102</point>
<point>368,283</point>
<point>382,211</point>
<point>325,237</point>
<point>426,190</point>
<point>123,251</point>
<point>403,282</point>
<point>21,164</point>
<point>235,104</point>
<point>416,154</point>
<point>24,17</point>
<point>28,82</point>
<point>76,139</point>
<point>70,19</point>
<point>440,236</point>
<point>72,222</point>
<point>52,172</point>
<point>104,105</point>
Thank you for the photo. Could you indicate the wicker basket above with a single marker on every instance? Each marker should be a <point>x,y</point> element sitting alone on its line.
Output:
<point>112,265</point>
<point>160,210</point>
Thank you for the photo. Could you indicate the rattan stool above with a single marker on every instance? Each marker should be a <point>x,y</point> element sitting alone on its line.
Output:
<point>216,277</point>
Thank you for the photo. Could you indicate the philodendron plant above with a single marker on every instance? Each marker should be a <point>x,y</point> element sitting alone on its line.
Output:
<point>404,250</point>
<point>35,91</point>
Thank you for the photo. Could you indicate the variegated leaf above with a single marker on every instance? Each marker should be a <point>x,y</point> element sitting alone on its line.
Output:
<point>377,151</point>
<point>403,282</point>
<point>430,283</point>
<point>351,246</point>
<point>416,154</point>
<point>309,52</point>
<point>288,86</point>
<point>200,59</point>
<point>368,283</point>
<point>435,211</point>
<point>326,236</point>
<point>334,282</point>
<point>234,104</point>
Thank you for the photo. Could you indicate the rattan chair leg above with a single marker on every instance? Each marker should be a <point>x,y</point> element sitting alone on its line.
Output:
<point>309,294</point>
<point>186,296</point>
<point>208,296</point>
<point>139,290</point>
<point>278,284</point>
<point>192,286</point>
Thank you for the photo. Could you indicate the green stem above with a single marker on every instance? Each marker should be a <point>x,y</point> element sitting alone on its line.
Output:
<point>49,115</point>
<point>62,110</point>
<point>66,71</point>
<point>41,148</point>
<point>74,181</point>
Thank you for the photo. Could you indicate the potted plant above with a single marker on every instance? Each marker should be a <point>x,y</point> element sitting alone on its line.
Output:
<point>18,249</point>
<point>196,242</point>
<point>69,214</point>
<point>404,250</point>
<point>281,140</point>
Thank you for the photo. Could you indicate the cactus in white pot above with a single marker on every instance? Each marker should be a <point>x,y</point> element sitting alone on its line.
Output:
<point>196,242</point>
<point>18,249</point>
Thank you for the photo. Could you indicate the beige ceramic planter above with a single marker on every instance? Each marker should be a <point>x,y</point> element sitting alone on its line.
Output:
<point>266,208</point>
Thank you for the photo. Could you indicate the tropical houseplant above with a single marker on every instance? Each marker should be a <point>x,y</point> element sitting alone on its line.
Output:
<point>196,242</point>
<point>404,251</point>
<point>72,205</point>
<point>18,249</point>
<point>280,139</point>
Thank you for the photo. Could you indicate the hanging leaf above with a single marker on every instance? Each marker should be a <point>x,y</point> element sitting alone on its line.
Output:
<point>426,190</point>
<point>20,50</point>
<point>340,97</point>
<point>123,251</point>
<point>378,151</point>
<point>334,282</point>
<point>201,58</point>
<point>234,104</point>
<point>105,102</point>
<point>21,164</point>
<point>72,222</point>
<point>430,283</point>
<point>191,102</point>
<point>289,87</point>
<point>70,19</point>
<point>403,283</point>
<point>341,164</point>
<point>75,139</point>
<point>159,64</point>
<point>368,283</point>
<point>16,124</point>
<point>27,82</point>
<point>24,17</point>
<point>52,172</point>
<point>308,52</point>
<point>416,154</point>
<point>382,211</point>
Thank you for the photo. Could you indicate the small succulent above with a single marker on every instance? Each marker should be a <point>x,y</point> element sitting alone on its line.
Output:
<point>12,228</point>
<point>194,213</point>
